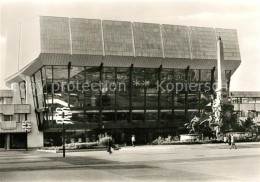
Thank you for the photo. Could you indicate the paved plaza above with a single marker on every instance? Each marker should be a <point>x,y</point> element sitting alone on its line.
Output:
<point>209,162</point>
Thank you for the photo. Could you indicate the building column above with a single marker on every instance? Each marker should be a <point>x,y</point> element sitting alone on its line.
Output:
<point>199,94</point>
<point>145,90</point>
<point>130,92</point>
<point>173,81</point>
<point>35,137</point>
<point>186,92</point>
<point>116,93</point>
<point>8,141</point>
<point>68,83</point>
<point>100,95</point>
<point>159,96</point>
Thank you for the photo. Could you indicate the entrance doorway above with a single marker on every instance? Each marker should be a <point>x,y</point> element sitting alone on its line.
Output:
<point>2,140</point>
<point>18,140</point>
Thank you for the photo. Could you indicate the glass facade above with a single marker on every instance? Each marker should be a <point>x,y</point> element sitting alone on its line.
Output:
<point>103,97</point>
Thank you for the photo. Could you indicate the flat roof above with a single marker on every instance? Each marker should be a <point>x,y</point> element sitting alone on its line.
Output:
<point>244,94</point>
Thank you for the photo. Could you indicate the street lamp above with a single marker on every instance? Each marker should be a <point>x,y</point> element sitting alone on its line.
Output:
<point>63,135</point>
<point>27,127</point>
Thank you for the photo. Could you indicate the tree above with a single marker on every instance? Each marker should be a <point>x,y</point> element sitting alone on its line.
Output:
<point>249,125</point>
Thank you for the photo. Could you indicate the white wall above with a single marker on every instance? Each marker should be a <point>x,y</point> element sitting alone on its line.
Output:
<point>35,137</point>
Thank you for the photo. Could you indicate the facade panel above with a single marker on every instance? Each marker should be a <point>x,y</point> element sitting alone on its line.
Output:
<point>86,36</point>
<point>176,41</point>
<point>230,41</point>
<point>203,42</point>
<point>118,38</point>
<point>147,40</point>
<point>55,35</point>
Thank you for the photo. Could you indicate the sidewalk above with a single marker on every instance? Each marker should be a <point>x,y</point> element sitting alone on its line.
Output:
<point>208,162</point>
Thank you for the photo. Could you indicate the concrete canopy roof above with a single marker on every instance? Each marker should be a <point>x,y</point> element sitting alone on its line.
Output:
<point>88,42</point>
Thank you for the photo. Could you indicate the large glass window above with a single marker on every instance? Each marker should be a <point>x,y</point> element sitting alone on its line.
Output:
<point>34,91</point>
<point>193,89</point>
<point>251,100</point>
<point>92,101</point>
<point>166,115</point>
<point>179,90</point>
<point>167,84</point>
<point>138,116</point>
<point>205,75</point>
<point>7,117</point>
<point>193,75</point>
<point>138,88</point>
<point>76,90</point>
<point>92,88</point>
<point>123,88</point>
<point>60,72</point>
<point>39,88</point>
<point>151,116</point>
<point>244,100</point>
<point>109,88</point>
<point>152,90</point>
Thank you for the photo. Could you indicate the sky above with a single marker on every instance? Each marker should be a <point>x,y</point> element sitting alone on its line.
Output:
<point>242,15</point>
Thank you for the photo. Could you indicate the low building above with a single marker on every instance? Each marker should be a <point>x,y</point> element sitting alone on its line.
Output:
<point>247,104</point>
<point>13,112</point>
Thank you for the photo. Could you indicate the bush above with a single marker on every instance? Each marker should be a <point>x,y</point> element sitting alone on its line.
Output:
<point>257,139</point>
<point>103,141</point>
<point>157,142</point>
<point>72,146</point>
<point>81,145</point>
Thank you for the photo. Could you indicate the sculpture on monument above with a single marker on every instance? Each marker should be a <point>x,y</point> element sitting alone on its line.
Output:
<point>219,100</point>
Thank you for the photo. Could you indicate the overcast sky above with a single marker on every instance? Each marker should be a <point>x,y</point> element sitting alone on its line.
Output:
<point>242,15</point>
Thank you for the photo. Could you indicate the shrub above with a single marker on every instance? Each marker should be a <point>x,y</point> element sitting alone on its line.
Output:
<point>72,146</point>
<point>157,142</point>
<point>103,141</point>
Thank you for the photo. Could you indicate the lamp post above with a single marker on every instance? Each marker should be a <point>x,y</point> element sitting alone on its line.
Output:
<point>63,135</point>
<point>26,140</point>
<point>27,127</point>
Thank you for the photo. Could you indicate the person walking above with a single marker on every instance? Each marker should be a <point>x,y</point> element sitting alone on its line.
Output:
<point>133,140</point>
<point>109,145</point>
<point>229,140</point>
<point>233,142</point>
<point>225,139</point>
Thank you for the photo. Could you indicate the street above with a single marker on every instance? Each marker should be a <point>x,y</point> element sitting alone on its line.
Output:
<point>208,162</point>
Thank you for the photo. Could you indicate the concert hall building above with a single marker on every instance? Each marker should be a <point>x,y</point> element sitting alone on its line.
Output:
<point>114,75</point>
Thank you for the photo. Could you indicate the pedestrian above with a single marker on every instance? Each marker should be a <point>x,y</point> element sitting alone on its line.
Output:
<point>133,140</point>
<point>109,145</point>
<point>225,139</point>
<point>233,142</point>
<point>229,139</point>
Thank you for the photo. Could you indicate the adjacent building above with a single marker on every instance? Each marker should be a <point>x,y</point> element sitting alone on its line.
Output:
<point>108,72</point>
<point>247,104</point>
<point>13,111</point>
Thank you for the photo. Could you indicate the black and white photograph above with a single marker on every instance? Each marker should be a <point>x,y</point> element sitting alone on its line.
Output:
<point>129,90</point>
